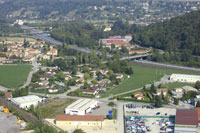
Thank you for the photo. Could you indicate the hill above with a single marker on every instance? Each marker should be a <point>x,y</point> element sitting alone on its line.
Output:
<point>178,34</point>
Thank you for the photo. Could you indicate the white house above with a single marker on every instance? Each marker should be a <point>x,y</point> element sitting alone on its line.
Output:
<point>81,107</point>
<point>26,101</point>
<point>184,78</point>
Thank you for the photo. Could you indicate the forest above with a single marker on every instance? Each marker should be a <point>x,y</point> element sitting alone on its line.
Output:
<point>6,29</point>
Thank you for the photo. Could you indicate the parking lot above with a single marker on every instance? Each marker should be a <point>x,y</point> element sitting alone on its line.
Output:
<point>146,118</point>
<point>8,124</point>
<point>147,110</point>
<point>102,110</point>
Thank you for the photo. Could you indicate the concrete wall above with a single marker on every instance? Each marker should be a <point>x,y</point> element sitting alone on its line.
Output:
<point>78,123</point>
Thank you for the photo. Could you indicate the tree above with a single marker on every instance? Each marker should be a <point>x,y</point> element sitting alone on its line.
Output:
<point>129,70</point>
<point>60,76</point>
<point>197,85</point>
<point>198,104</point>
<point>176,101</point>
<point>44,128</point>
<point>166,99</point>
<point>78,131</point>
<point>152,89</point>
<point>158,101</point>
<point>86,76</point>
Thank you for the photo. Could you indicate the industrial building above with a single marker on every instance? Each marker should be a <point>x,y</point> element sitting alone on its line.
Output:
<point>81,107</point>
<point>74,120</point>
<point>26,101</point>
<point>186,121</point>
<point>184,78</point>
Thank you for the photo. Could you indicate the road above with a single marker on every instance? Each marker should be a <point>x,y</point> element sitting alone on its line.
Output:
<point>120,117</point>
<point>35,68</point>
<point>167,65</point>
<point>40,35</point>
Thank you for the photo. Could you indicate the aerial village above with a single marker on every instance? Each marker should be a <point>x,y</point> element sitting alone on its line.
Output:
<point>74,99</point>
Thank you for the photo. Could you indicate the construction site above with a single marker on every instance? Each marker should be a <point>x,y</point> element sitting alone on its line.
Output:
<point>10,122</point>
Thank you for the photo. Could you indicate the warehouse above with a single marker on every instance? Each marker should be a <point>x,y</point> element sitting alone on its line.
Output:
<point>26,101</point>
<point>74,120</point>
<point>184,78</point>
<point>186,121</point>
<point>81,107</point>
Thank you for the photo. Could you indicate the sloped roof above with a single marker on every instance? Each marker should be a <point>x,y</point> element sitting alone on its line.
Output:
<point>186,117</point>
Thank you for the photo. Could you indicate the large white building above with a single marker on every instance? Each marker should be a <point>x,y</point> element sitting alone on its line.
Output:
<point>81,107</point>
<point>26,101</point>
<point>184,78</point>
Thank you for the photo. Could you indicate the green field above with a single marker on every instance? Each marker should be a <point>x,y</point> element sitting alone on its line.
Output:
<point>13,76</point>
<point>143,75</point>
<point>16,39</point>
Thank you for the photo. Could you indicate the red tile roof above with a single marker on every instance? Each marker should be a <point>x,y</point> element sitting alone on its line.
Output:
<point>186,117</point>
<point>79,118</point>
<point>8,95</point>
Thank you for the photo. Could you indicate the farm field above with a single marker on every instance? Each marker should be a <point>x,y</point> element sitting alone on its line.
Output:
<point>16,39</point>
<point>14,76</point>
<point>54,107</point>
<point>144,75</point>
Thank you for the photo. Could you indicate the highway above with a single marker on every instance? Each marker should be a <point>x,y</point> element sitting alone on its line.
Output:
<point>167,65</point>
<point>40,35</point>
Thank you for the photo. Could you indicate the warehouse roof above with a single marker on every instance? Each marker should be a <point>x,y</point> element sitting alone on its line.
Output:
<point>186,76</point>
<point>186,117</point>
<point>79,118</point>
<point>26,99</point>
<point>81,104</point>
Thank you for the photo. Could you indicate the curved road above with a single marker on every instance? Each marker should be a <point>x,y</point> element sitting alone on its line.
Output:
<point>35,68</point>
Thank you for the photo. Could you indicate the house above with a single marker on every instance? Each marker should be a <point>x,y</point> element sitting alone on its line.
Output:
<point>80,75</point>
<point>80,80</point>
<point>53,90</point>
<point>3,59</point>
<point>45,76</point>
<point>104,71</point>
<point>119,76</point>
<point>178,89</point>
<point>52,52</point>
<point>44,83</point>
<point>178,92</point>
<point>8,95</point>
<point>89,91</point>
<point>189,88</point>
<point>138,95</point>
<point>160,91</point>
<point>186,121</point>
<point>46,57</point>
<point>67,76</point>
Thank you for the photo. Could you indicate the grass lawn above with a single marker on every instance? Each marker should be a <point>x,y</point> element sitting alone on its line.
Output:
<point>14,76</point>
<point>54,107</point>
<point>178,85</point>
<point>114,113</point>
<point>143,75</point>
